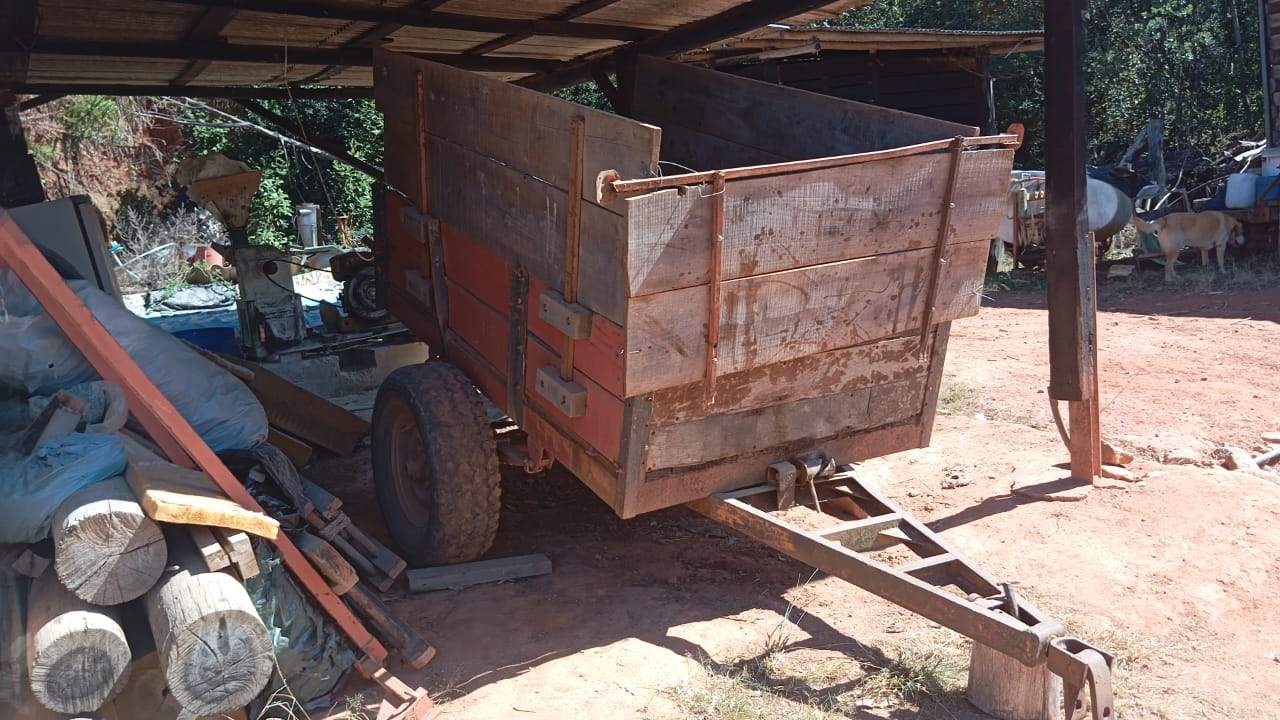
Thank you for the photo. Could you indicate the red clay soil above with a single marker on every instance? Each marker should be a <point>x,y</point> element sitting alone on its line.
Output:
<point>1177,574</point>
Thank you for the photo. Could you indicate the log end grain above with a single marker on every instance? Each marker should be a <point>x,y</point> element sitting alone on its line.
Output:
<point>106,550</point>
<point>78,656</point>
<point>213,647</point>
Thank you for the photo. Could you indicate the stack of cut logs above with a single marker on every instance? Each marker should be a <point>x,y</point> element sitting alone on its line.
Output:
<point>120,560</point>
<point>162,548</point>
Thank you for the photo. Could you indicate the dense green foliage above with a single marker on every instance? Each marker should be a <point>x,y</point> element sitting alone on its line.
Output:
<point>291,174</point>
<point>1194,64</point>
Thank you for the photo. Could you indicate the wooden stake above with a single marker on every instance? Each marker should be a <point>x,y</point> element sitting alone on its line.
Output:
<point>105,549</point>
<point>713,284</point>
<point>573,231</point>
<point>77,654</point>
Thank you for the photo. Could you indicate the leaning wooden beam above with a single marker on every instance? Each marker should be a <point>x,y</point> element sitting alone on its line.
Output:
<point>77,654</point>
<point>292,128</point>
<point>105,549</point>
<point>158,416</point>
<point>215,651</point>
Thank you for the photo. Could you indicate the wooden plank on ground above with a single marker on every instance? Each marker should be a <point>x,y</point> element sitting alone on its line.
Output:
<point>522,128</point>
<point>298,452</point>
<point>794,124</point>
<point>173,494</point>
<point>772,318</point>
<point>457,577</point>
<point>802,378</point>
<point>734,434</point>
<point>791,221</point>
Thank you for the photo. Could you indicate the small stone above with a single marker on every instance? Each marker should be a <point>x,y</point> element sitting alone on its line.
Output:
<point>1271,437</point>
<point>1182,456</point>
<point>1115,472</point>
<point>955,481</point>
<point>1111,455</point>
<point>1238,459</point>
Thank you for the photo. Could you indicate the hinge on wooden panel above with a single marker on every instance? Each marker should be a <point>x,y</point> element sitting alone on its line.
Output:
<point>572,319</point>
<point>568,396</point>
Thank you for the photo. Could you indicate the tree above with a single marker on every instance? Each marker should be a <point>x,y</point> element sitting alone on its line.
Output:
<point>1194,64</point>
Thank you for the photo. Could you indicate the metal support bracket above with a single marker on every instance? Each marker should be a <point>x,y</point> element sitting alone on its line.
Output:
<point>1079,664</point>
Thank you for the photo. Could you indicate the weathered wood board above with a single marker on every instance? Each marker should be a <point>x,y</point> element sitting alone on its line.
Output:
<point>789,123</point>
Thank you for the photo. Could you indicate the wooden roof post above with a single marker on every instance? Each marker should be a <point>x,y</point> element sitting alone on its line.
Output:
<point>1073,351</point>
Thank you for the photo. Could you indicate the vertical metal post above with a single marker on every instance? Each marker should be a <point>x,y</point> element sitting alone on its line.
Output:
<point>1073,353</point>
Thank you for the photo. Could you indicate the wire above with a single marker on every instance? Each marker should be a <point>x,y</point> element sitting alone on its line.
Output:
<point>293,292</point>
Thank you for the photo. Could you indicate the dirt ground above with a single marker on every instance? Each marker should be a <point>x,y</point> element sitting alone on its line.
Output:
<point>672,616</point>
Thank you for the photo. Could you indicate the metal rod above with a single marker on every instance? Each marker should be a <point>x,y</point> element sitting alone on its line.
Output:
<point>573,230</point>
<point>612,187</point>
<point>713,284</point>
<point>940,249</point>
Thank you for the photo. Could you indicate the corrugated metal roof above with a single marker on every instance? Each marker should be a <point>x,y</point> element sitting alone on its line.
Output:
<point>52,44</point>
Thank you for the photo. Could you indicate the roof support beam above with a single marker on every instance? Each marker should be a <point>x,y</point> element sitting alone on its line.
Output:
<point>415,17</point>
<point>585,7</point>
<point>735,21</point>
<point>208,28</point>
<point>276,55</point>
<point>195,91</point>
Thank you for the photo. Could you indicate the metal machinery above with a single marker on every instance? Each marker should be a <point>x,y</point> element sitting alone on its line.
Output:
<point>270,309</point>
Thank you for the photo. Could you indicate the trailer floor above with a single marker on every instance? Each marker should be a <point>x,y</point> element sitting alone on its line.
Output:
<point>670,616</point>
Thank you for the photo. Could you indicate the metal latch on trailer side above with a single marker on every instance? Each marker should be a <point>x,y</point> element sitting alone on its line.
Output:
<point>572,319</point>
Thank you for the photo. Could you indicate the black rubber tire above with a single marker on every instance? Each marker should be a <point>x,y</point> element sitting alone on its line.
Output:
<point>447,509</point>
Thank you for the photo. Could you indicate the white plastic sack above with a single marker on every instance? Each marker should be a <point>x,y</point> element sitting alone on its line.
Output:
<point>32,488</point>
<point>36,357</point>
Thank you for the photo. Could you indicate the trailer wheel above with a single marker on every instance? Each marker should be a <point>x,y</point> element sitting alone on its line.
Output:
<point>435,465</point>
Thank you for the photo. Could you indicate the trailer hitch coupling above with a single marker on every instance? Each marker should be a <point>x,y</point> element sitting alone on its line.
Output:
<point>1079,665</point>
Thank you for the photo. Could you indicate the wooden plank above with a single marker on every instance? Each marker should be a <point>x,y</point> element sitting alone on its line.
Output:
<point>937,360</point>
<point>859,535</point>
<point>734,434</point>
<point>240,551</point>
<point>801,378</point>
<point>173,494</point>
<point>665,488</point>
<point>298,452</point>
<point>215,558</point>
<point>457,577</point>
<point>794,124</point>
<point>521,128</point>
<point>335,568</point>
<point>687,149</point>
<point>521,219</point>
<point>302,413</point>
<point>781,316</point>
<point>791,221</point>
<point>415,650</point>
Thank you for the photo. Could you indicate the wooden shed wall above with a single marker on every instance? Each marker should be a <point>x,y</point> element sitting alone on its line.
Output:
<point>952,85</point>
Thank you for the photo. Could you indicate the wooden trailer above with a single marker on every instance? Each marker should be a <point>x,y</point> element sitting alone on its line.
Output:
<point>718,300</point>
<point>823,288</point>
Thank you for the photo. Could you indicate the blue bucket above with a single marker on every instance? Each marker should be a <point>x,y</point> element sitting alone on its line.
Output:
<point>213,339</point>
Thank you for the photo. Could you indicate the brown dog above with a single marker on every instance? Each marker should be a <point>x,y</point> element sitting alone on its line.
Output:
<point>1201,230</point>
